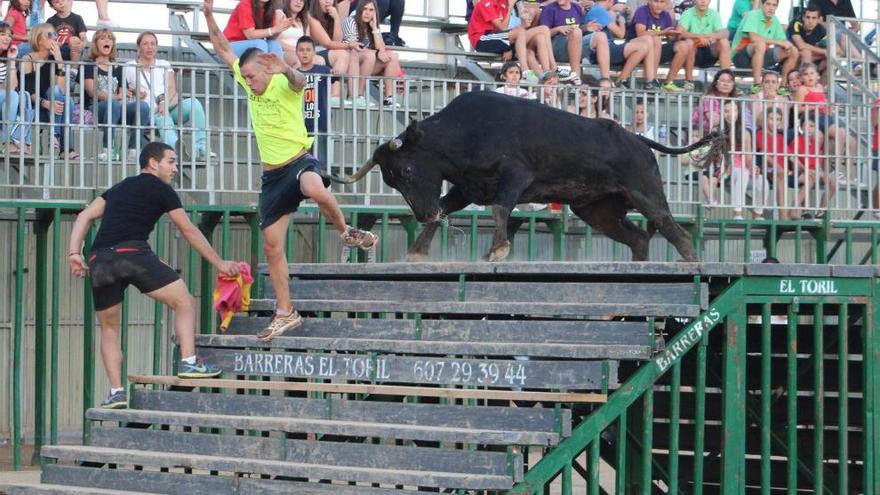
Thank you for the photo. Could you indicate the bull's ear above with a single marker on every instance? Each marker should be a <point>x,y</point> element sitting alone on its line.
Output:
<point>413,133</point>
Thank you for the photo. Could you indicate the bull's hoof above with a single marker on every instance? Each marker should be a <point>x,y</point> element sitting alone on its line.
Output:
<point>415,257</point>
<point>499,253</point>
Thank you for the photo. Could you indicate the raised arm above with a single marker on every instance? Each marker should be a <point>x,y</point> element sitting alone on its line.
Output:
<point>221,44</point>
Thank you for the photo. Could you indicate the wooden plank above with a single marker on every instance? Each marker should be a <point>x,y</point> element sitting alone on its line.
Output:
<point>363,388</point>
<point>622,268</point>
<point>40,489</point>
<point>394,457</point>
<point>476,417</point>
<point>533,374</point>
<point>357,429</point>
<point>272,468</point>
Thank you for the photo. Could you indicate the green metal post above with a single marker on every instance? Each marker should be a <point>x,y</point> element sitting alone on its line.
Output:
<point>766,363</point>
<point>722,241</point>
<point>253,221</point>
<point>791,394</point>
<point>322,240</point>
<point>88,341</point>
<point>444,240</point>
<point>566,479</point>
<point>647,439</point>
<point>558,229</point>
<point>383,233</point>
<point>620,457</point>
<point>41,320</point>
<point>473,253</point>
<point>700,416</point>
<point>353,253</point>
<point>773,239</point>
<point>818,398</point>
<point>588,241</point>
<point>875,245</point>
<point>798,239</point>
<point>533,241</point>
<point>747,244</point>
<point>698,229</point>
<point>18,337</point>
<point>57,259</point>
<point>848,243</point>
<point>206,312</point>
<point>821,236</point>
<point>158,307</point>
<point>123,335</point>
<point>843,399</point>
<point>674,418</point>
<point>734,398</point>
<point>871,342</point>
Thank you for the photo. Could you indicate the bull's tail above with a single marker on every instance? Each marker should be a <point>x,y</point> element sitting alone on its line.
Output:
<point>712,146</point>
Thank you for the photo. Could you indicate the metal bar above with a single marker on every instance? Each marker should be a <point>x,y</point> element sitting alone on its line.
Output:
<point>158,307</point>
<point>620,455</point>
<point>647,439</point>
<point>766,363</point>
<point>818,398</point>
<point>791,394</point>
<point>41,318</point>
<point>18,337</point>
<point>57,259</point>
<point>674,418</point>
<point>843,399</point>
<point>700,416</point>
<point>533,244</point>
<point>123,334</point>
<point>734,400</point>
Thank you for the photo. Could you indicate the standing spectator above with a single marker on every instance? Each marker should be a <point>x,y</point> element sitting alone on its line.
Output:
<point>325,27</point>
<point>393,9</point>
<point>71,31</point>
<point>640,123</point>
<point>806,152</point>
<point>740,168</point>
<point>16,17</point>
<point>296,11</point>
<point>9,108</point>
<point>362,31</point>
<point>315,103</point>
<point>768,98</point>
<point>151,79</point>
<point>653,22</point>
<point>760,42</point>
<point>809,36</point>
<point>563,18</point>
<point>103,95</point>
<point>599,106</point>
<point>771,148</point>
<point>511,73</point>
<point>629,54</point>
<point>703,25</point>
<point>252,25</point>
<point>740,9</point>
<point>50,97</point>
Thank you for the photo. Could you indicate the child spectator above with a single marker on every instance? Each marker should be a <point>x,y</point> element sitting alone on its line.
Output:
<point>511,73</point>
<point>703,27</point>
<point>9,107</point>
<point>103,95</point>
<point>315,103</point>
<point>374,59</point>
<point>627,55</point>
<point>740,167</point>
<point>253,24</point>
<point>653,22</point>
<point>808,35</point>
<point>16,17</point>
<point>393,9</point>
<point>71,31</point>
<point>806,152</point>
<point>640,124</point>
<point>768,98</point>
<point>760,42</point>
<point>325,27</point>
<point>549,88</point>
<point>599,106</point>
<point>771,148</point>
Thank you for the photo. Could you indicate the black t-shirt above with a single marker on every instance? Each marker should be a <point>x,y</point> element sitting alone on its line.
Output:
<point>104,81</point>
<point>133,208</point>
<point>67,27</point>
<point>814,38</point>
<point>843,8</point>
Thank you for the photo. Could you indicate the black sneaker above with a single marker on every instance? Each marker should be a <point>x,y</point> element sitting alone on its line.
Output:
<point>199,369</point>
<point>652,85</point>
<point>119,400</point>
<point>623,84</point>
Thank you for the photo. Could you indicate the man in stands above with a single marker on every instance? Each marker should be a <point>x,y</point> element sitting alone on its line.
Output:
<point>121,256</point>
<point>703,25</point>
<point>628,55</point>
<point>564,18</point>
<point>808,35</point>
<point>655,23</point>
<point>760,43</point>
<point>290,173</point>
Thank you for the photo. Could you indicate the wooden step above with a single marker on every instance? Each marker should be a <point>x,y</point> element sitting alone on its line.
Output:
<point>238,465</point>
<point>61,489</point>
<point>355,429</point>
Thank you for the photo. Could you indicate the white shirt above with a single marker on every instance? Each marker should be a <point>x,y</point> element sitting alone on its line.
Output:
<point>152,79</point>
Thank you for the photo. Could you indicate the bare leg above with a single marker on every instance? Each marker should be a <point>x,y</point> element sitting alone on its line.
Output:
<point>634,53</point>
<point>101,7</point>
<point>757,49</point>
<point>682,51</point>
<point>721,48</point>
<point>339,63</point>
<point>177,297</point>
<point>111,352</point>
<point>274,237</point>
<point>312,186</point>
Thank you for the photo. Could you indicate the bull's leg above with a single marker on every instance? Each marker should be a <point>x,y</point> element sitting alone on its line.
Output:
<point>450,203</point>
<point>511,185</point>
<point>656,210</point>
<point>608,215</point>
<point>500,242</point>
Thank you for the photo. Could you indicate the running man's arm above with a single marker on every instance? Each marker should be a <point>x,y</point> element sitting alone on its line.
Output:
<point>94,211</point>
<point>197,240</point>
<point>221,44</point>
<point>273,64</point>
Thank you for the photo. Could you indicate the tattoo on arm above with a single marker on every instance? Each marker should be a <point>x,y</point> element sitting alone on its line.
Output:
<point>295,79</point>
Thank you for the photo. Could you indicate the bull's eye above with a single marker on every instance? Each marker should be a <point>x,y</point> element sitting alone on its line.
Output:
<point>406,172</point>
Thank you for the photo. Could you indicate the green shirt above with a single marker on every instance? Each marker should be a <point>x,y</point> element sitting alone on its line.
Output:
<point>754,22</point>
<point>708,24</point>
<point>740,8</point>
<point>277,118</point>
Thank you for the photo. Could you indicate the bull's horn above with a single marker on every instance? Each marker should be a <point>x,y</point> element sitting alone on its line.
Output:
<point>365,168</point>
<point>395,144</point>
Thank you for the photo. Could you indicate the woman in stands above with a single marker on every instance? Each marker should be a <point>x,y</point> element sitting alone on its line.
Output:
<point>13,126</point>
<point>362,30</point>
<point>152,80</point>
<point>708,114</point>
<point>47,89</point>
<point>103,95</point>
<point>325,27</point>
<point>253,24</point>
<point>298,14</point>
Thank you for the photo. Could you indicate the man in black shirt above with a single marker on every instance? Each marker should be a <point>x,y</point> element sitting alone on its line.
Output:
<point>809,36</point>
<point>121,256</point>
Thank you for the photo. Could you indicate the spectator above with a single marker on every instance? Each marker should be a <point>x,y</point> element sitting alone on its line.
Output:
<point>252,25</point>
<point>490,30</point>
<point>760,42</point>
<point>771,148</point>
<point>9,108</point>
<point>16,17</point>
<point>152,79</point>
<point>393,9</point>
<point>539,48</point>
<point>703,26</point>
<point>296,11</point>
<point>740,167</point>
<point>806,152</point>
<point>840,9</point>
<point>563,18</point>
<point>740,9</point>
<point>104,20</point>
<point>707,115</point>
<point>549,82</point>
<point>809,36</point>
<point>640,124</point>
<point>653,22</point>
<point>315,103</point>
<point>511,73</point>
<point>629,54</point>
<point>768,98</point>
<point>103,95</point>
<point>325,27</point>
<point>362,31</point>
<point>596,42</point>
<point>71,31</point>
<point>793,81</point>
<point>50,97</point>
<point>599,106</point>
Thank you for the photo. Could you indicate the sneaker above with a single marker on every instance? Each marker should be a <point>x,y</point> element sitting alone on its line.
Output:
<point>388,101</point>
<point>755,89</point>
<point>279,325</point>
<point>577,82</point>
<point>783,91</point>
<point>876,214</point>
<point>623,84</point>
<point>738,217</point>
<point>671,87</point>
<point>530,77</point>
<point>119,400</point>
<point>564,74</point>
<point>689,86</point>
<point>361,102</point>
<point>335,101</point>
<point>104,155</point>
<point>107,23</point>
<point>651,85</point>
<point>363,239</point>
<point>132,155</point>
<point>199,369</point>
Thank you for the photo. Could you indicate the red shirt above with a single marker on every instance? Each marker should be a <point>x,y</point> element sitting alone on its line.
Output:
<point>485,11</point>
<point>242,18</point>
<point>773,145</point>
<point>806,151</point>
<point>18,22</point>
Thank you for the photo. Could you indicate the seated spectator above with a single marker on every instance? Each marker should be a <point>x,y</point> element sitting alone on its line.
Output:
<point>549,94</point>
<point>806,152</point>
<point>703,27</point>
<point>253,24</point>
<point>599,106</point>
<point>839,9</point>
<point>760,42</point>
<point>627,55</point>
<point>315,100</point>
<point>771,148</point>
<point>393,9</point>
<point>325,27</point>
<point>9,107</point>
<point>640,123</point>
<point>539,48</point>
<point>740,9</point>
<point>563,19</point>
<point>363,30</point>
<point>103,95</point>
<point>809,36</point>
<point>296,11</point>
<point>71,31</point>
<point>492,29</point>
<point>740,167</point>
<point>152,80</point>
<point>768,98</point>
<point>792,81</point>
<point>511,73</point>
<point>50,96</point>
<point>707,115</point>
<point>16,17</point>
<point>651,21</point>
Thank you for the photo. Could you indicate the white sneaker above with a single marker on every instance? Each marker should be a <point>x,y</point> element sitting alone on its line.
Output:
<point>876,214</point>
<point>103,155</point>
<point>564,74</point>
<point>132,155</point>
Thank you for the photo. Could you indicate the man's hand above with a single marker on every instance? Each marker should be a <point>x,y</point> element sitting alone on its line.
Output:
<point>78,265</point>
<point>208,7</point>
<point>272,64</point>
<point>229,268</point>
<point>593,26</point>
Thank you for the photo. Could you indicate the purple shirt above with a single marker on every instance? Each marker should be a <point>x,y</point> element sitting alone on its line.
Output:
<point>644,17</point>
<point>553,15</point>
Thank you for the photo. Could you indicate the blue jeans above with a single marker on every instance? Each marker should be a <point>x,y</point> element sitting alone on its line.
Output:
<point>59,130</point>
<point>8,110</point>
<point>188,111</point>
<point>239,47</point>
<point>36,16</point>
<point>21,129</point>
<point>112,112</point>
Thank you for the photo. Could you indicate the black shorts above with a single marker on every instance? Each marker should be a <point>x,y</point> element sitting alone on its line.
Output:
<point>705,58</point>
<point>615,52</point>
<point>667,51</point>
<point>280,193</point>
<point>494,42</point>
<point>112,270</point>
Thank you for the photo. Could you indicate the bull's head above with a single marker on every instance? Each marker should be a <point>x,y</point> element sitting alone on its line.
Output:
<point>409,168</point>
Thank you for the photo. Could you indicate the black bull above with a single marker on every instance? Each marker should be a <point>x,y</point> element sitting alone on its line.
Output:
<point>498,151</point>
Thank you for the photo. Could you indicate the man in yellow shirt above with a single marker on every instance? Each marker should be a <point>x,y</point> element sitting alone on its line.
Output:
<point>290,173</point>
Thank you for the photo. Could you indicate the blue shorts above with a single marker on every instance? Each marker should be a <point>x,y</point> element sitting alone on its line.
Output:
<point>742,59</point>
<point>281,193</point>
<point>560,48</point>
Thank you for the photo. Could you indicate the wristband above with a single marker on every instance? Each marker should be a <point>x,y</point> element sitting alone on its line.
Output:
<point>72,254</point>
<point>270,31</point>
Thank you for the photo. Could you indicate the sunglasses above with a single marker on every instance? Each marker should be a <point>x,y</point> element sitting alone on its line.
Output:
<point>52,35</point>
